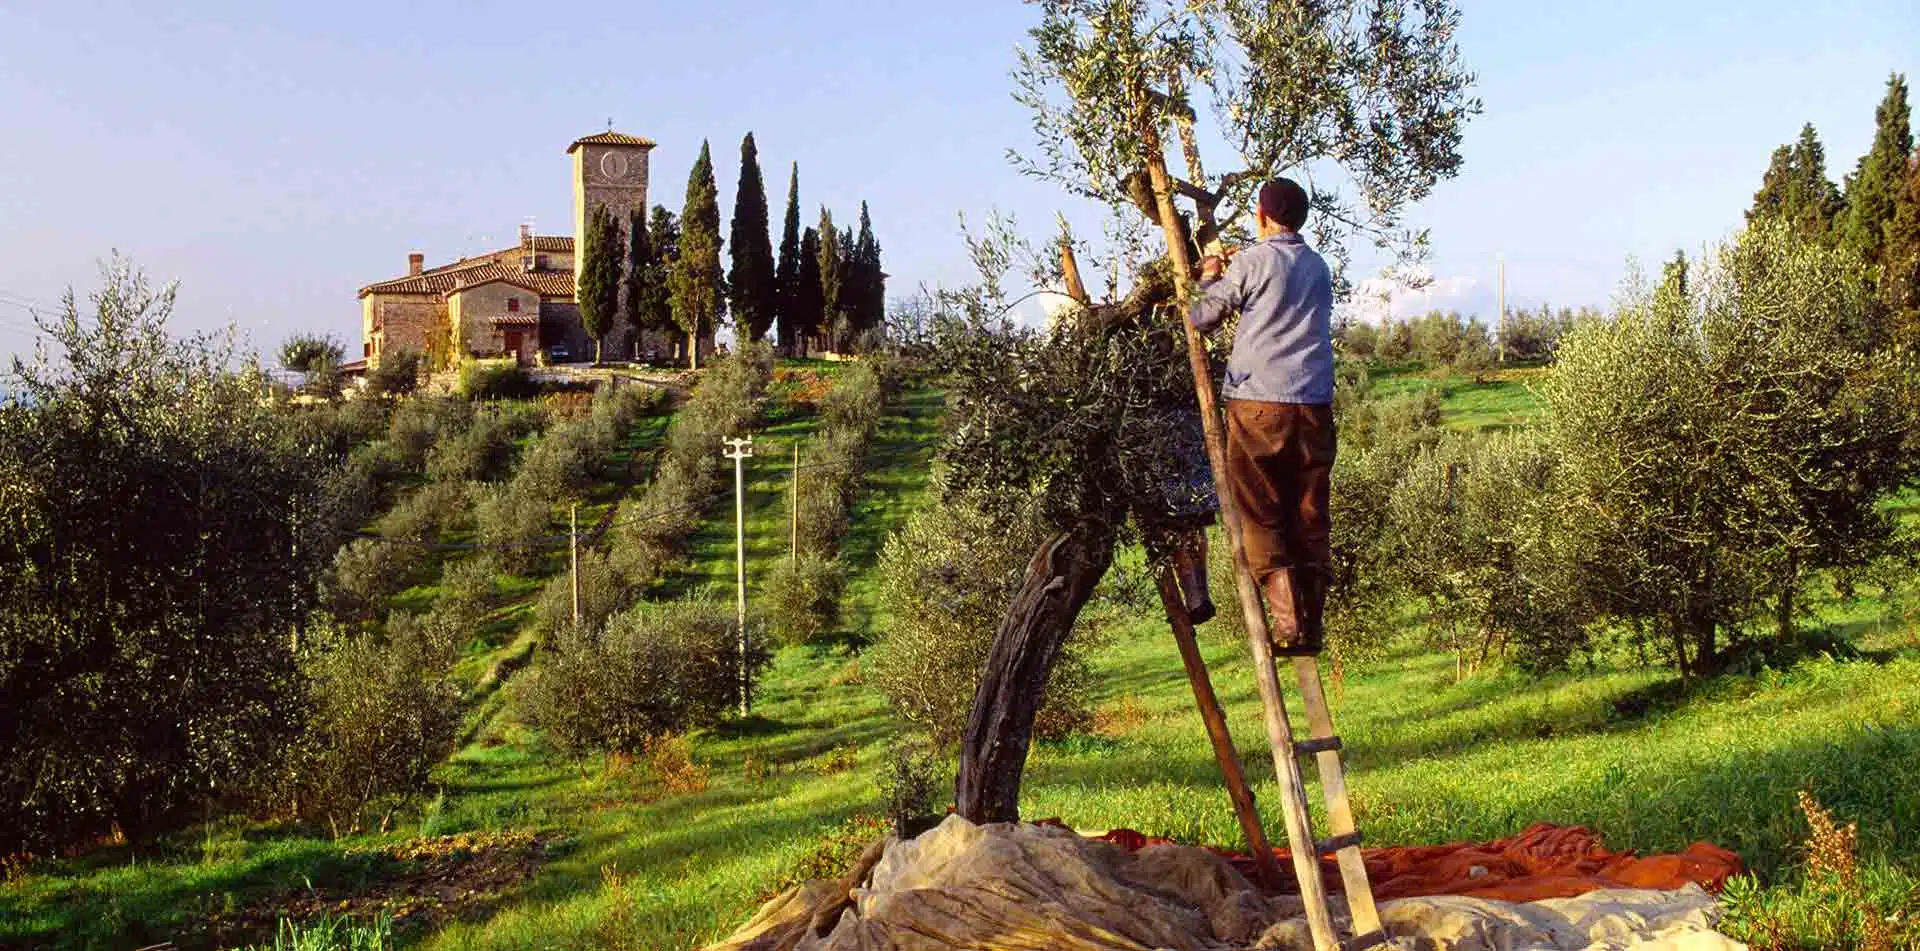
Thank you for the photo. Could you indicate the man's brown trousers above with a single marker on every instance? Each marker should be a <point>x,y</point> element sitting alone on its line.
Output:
<point>1279,469</point>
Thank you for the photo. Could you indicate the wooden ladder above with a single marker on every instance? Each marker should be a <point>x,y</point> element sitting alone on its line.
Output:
<point>1321,743</point>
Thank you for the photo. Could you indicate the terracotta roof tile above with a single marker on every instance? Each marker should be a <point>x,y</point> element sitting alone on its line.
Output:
<point>610,137</point>
<point>546,283</point>
<point>439,280</point>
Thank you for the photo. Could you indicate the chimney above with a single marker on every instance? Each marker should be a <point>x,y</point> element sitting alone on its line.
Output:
<point>415,262</point>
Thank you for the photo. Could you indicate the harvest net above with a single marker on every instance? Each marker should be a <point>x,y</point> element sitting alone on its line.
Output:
<point>1033,886</point>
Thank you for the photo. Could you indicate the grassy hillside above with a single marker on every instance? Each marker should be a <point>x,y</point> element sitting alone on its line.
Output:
<point>674,849</point>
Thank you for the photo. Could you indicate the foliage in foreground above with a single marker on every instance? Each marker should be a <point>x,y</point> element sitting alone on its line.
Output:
<point>945,580</point>
<point>383,712</point>
<point>160,520</point>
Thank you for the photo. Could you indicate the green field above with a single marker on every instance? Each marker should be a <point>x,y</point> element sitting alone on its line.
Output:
<point>643,855</point>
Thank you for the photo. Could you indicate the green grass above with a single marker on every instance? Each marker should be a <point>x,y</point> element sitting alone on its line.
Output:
<point>1504,400</point>
<point>1626,751</point>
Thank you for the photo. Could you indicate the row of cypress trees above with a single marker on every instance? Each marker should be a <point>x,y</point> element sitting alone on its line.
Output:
<point>824,291</point>
<point>1874,213</point>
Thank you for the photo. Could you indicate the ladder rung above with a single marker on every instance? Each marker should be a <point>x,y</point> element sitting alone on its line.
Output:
<point>1337,843</point>
<point>1360,942</point>
<point>1319,744</point>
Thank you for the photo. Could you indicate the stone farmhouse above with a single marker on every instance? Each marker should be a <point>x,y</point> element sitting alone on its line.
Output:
<point>519,301</point>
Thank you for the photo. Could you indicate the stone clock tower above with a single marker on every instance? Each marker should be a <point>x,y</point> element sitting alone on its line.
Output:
<point>609,168</point>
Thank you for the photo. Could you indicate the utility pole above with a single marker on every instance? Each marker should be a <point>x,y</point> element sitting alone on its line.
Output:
<point>740,450</point>
<point>793,547</point>
<point>1500,325</point>
<point>573,547</point>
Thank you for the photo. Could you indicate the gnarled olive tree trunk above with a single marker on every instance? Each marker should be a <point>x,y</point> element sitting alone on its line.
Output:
<point>993,753</point>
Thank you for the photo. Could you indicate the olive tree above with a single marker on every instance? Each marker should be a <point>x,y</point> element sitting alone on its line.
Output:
<point>1719,442</point>
<point>164,535</point>
<point>1365,101</point>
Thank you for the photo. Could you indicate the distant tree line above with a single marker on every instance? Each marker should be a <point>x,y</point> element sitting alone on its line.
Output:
<point>823,289</point>
<point>1445,339</point>
<point>1874,213</point>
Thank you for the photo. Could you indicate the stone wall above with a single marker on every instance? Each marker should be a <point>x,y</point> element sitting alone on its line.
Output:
<point>473,310</point>
<point>400,321</point>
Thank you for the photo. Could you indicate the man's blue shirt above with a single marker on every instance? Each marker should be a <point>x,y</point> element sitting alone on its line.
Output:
<point>1283,351</point>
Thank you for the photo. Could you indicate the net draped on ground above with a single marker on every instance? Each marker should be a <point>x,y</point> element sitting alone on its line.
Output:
<point>1545,861</point>
<point>1033,886</point>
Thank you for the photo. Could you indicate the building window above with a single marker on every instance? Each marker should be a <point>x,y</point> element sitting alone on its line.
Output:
<point>513,305</point>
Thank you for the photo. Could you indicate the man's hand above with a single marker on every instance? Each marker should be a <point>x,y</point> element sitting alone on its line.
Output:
<point>1211,266</point>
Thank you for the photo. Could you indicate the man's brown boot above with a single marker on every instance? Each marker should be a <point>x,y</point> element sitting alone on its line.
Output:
<point>1282,602</point>
<point>1310,604</point>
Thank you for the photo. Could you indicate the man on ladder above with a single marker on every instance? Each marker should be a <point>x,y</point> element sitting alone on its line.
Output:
<point>1279,393</point>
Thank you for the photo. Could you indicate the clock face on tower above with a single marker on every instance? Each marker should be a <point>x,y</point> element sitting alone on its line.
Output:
<point>614,166</point>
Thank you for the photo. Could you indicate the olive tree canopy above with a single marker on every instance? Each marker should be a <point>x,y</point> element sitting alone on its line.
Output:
<point>1363,102</point>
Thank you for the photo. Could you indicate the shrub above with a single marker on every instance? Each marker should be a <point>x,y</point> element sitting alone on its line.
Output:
<point>912,785</point>
<point>334,430</point>
<point>383,712</point>
<point>945,580</point>
<point>483,452</point>
<point>516,523</point>
<point>366,573</point>
<point>802,598</point>
<point>655,669</point>
<point>727,400</point>
<point>375,467</point>
<point>1476,529</point>
<point>420,422</point>
<point>560,464</point>
<point>521,418</point>
<point>397,375</point>
<point>467,590</point>
<point>602,592</point>
<point>855,402</point>
<point>725,403</point>
<point>495,380</point>
<point>427,513</point>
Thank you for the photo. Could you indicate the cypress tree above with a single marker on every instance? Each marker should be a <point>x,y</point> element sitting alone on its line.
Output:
<point>1771,199</point>
<point>871,285</point>
<point>832,279</point>
<point>656,304</point>
<point>598,293</point>
<point>634,290</point>
<point>1900,281</point>
<point>1813,201</point>
<point>809,298</point>
<point>1873,188</point>
<point>696,271</point>
<point>1796,189</point>
<point>843,327</point>
<point>750,282</point>
<point>787,275</point>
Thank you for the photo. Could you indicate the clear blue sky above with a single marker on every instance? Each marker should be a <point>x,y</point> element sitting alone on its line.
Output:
<point>274,156</point>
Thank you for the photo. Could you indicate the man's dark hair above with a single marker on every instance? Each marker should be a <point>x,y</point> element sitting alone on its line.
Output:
<point>1284,201</point>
